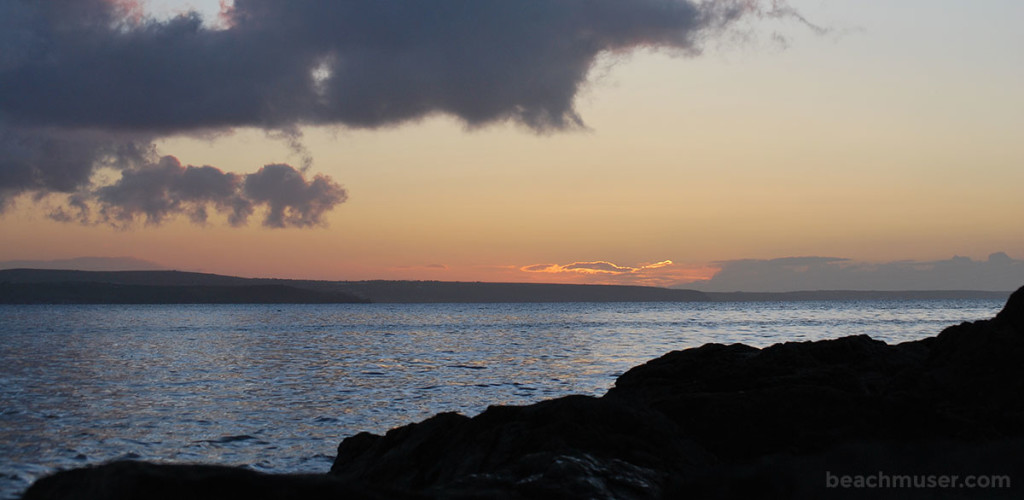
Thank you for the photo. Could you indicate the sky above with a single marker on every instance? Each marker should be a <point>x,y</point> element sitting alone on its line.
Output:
<point>823,144</point>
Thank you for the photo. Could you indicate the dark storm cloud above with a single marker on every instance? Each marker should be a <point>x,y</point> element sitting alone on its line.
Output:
<point>81,64</point>
<point>68,66</point>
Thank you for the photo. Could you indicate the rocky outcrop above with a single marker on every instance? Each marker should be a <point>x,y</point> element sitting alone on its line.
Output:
<point>141,480</point>
<point>726,421</point>
<point>706,421</point>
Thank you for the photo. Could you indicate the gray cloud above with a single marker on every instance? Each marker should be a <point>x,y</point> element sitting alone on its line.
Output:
<point>292,200</point>
<point>86,82</point>
<point>998,273</point>
<point>154,192</point>
<point>53,160</point>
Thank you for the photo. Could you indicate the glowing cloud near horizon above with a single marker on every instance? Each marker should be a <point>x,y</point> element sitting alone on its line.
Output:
<point>663,273</point>
<point>596,267</point>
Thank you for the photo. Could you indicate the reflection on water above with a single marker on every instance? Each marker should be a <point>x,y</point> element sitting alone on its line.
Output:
<point>276,387</point>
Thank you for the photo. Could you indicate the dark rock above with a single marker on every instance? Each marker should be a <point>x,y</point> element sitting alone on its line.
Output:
<point>605,448</point>
<point>718,421</point>
<point>725,415</point>
<point>129,480</point>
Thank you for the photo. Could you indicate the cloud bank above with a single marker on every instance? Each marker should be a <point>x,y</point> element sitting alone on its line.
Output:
<point>89,84</point>
<point>998,273</point>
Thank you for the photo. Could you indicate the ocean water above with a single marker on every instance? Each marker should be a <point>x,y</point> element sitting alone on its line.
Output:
<point>277,387</point>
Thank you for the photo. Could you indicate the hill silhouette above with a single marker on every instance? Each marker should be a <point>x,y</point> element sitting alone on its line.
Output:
<point>78,292</point>
<point>72,286</point>
<point>56,286</point>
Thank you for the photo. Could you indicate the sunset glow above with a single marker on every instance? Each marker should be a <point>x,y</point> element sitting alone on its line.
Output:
<point>876,133</point>
<point>664,273</point>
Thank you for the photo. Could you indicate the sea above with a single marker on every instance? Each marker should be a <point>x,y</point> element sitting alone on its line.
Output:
<point>275,388</point>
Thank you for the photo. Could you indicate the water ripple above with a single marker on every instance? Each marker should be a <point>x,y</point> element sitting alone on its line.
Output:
<point>275,388</point>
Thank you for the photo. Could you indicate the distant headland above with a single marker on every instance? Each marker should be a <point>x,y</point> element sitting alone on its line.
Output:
<point>54,286</point>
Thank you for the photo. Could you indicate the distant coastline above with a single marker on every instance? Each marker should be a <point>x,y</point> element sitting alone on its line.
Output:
<point>48,286</point>
<point>81,292</point>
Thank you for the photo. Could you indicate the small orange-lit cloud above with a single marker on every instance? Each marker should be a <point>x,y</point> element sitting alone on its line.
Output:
<point>664,273</point>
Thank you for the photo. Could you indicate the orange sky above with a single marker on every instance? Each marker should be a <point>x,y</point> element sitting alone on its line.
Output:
<point>894,136</point>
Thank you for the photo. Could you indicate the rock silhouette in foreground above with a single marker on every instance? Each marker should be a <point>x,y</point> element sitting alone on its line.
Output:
<point>719,421</point>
